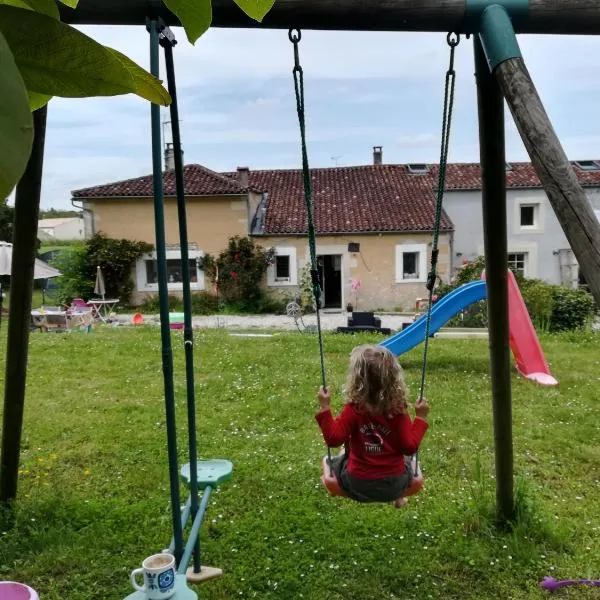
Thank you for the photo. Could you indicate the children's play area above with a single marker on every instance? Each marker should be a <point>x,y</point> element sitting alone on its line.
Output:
<point>186,463</point>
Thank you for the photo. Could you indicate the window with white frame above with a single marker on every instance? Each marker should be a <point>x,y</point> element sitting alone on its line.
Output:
<point>284,269</point>
<point>517,262</point>
<point>529,216</point>
<point>147,271</point>
<point>411,263</point>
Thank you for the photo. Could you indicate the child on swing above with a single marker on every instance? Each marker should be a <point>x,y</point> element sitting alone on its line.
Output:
<point>376,428</point>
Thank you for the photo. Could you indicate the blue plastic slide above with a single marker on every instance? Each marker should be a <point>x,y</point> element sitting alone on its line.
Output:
<point>449,306</point>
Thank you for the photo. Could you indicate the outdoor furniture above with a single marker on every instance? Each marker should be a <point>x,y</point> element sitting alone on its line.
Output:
<point>57,320</point>
<point>102,309</point>
<point>364,321</point>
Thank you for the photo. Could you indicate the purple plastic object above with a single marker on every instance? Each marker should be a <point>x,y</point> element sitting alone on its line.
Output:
<point>11,590</point>
<point>550,584</point>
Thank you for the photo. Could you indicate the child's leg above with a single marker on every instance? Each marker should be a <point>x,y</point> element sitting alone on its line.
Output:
<point>416,482</point>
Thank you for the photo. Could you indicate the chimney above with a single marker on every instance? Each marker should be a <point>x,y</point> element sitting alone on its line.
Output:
<point>377,155</point>
<point>243,175</point>
<point>169,157</point>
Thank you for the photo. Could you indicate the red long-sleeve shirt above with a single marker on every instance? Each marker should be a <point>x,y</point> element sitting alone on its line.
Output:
<point>376,444</point>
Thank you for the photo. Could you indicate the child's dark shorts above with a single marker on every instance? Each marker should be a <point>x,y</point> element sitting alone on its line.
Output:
<point>386,489</point>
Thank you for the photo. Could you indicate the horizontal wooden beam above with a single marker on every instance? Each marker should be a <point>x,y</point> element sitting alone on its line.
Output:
<point>545,16</point>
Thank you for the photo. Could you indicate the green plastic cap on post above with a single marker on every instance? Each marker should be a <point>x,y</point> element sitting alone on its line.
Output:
<point>493,21</point>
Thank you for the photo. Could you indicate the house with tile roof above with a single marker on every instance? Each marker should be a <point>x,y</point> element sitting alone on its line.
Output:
<point>537,246</point>
<point>374,226</point>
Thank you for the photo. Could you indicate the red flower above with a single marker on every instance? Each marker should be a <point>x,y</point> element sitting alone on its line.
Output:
<point>234,275</point>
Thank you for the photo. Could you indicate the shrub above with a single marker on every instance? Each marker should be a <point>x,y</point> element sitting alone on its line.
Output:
<point>571,309</point>
<point>151,304</point>
<point>204,304</point>
<point>115,257</point>
<point>551,307</point>
<point>239,272</point>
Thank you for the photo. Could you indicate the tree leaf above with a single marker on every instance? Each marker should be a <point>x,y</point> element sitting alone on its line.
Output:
<point>256,9</point>
<point>70,3</point>
<point>195,16</point>
<point>58,60</point>
<point>16,122</point>
<point>46,7</point>
<point>38,100</point>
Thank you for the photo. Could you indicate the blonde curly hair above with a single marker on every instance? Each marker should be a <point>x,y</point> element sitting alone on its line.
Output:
<point>376,382</point>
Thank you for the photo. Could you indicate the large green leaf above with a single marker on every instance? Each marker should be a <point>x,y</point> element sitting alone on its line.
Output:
<point>58,60</point>
<point>70,3</point>
<point>256,9</point>
<point>46,7</point>
<point>16,123</point>
<point>195,16</point>
<point>38,100</point>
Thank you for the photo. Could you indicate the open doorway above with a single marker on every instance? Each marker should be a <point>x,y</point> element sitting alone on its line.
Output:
<point>330,272</point>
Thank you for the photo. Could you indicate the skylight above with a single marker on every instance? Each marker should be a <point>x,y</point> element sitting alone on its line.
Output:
<point>588,165</point>
<point>417,168</point>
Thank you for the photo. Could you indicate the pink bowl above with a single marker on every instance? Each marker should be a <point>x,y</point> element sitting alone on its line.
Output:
<point>11,590</point>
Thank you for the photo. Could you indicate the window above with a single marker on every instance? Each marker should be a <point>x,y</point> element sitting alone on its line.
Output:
<point>147,271</point>
<point>418,168</point>
<point>174,274</point>
<point>528,214</point>
<point>411,263</point>
<point>284,269</point>
<point>588,165</point>
<point>517,263</point>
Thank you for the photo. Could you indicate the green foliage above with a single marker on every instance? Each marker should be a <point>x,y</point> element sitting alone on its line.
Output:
<point>255,9</point>
<point>572,309</point>
<point>551,307</point>
<point>202,304</point>
<point>307,301</point>
<point>115,257</point>
<point>49,55</point>
<point>196,16</point>
<point>238,271</point>
<point>6,221</point>
<point>72,283</point>
<point>16,122</point>
<point>56,213</point>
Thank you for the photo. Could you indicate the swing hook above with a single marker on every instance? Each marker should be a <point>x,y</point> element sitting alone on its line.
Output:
<point>452,38</point>
<point>294,35</point>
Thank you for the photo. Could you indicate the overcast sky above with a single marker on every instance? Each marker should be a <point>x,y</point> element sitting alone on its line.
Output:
<point>237,104</point>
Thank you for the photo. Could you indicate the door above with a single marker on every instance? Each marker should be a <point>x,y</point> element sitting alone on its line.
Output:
<point>330,272</point>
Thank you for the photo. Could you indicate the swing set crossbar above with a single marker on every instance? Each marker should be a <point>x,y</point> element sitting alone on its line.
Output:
<point>569,17</point>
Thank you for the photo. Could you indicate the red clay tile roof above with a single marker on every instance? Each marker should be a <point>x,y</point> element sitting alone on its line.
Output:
<point>349,199</point>
<point>198,180</point>
<point>467,176</point>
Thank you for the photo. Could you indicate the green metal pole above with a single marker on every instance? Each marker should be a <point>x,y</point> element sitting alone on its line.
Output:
<point>165,331</point>
<point>493,174</point>
<point>27,206</point>
<point>188,334</point>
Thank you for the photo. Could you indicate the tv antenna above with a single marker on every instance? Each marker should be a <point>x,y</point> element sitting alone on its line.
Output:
<point>336,159</point>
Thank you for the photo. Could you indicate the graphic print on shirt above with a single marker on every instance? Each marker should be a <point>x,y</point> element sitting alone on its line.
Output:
<point>373,434</point>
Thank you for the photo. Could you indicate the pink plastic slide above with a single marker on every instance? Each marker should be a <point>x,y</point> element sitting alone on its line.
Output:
<point>524,342</point>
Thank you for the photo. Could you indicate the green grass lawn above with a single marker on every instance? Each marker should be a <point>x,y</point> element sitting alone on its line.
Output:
<point>94,500</point>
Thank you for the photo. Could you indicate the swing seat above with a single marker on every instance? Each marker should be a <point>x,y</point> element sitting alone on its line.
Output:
<point>211,473</point>
<point>333,487</point>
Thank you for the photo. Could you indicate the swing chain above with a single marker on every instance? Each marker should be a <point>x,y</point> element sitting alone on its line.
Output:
<point>453,39</point>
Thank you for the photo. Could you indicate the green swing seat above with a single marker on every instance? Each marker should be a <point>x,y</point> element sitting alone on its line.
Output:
<point>210,472</point>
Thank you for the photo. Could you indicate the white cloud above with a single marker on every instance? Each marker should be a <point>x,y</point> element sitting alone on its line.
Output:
<point>363,89</point>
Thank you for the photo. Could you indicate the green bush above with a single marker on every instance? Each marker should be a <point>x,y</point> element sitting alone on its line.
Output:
<point>151,304</point>
<point>202,304</point>
<point>116,258</point>
<point>551,307</point>
<point>239,271</point>
<point>572,309</point>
